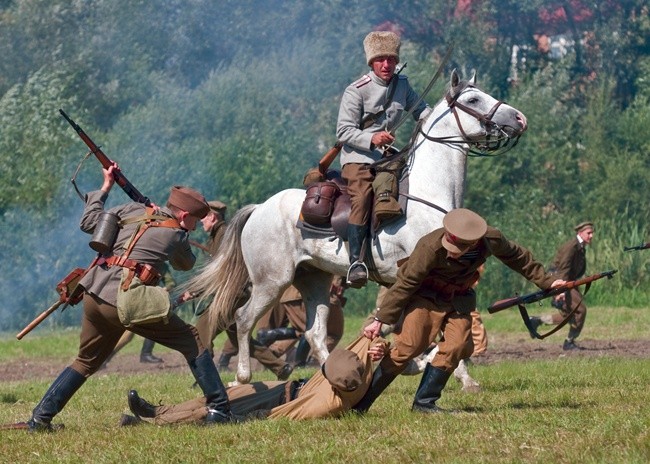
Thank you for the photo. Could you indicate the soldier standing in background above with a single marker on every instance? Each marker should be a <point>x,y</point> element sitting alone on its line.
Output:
<point>214,224</point>
<point>570,263</point>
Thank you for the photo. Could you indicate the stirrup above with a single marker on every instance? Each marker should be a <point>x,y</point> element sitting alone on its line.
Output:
<point>354,277</point>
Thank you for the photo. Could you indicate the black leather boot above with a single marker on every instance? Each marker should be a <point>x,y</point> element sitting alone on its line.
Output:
<point>430,389</point>
<point>216,400</point>
<point>146,354</point>
<point>380,380</point>
<point>140,407</point>
<point>358,272</point>
<point>270,336</point>
<point>55,399</point>
<point>302,351</point>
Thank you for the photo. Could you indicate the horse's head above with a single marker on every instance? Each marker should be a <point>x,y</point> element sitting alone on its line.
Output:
<point>487,124</point>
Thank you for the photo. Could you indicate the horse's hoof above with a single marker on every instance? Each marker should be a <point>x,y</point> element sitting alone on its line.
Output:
<point>471,388</point>
<point>234,383</point>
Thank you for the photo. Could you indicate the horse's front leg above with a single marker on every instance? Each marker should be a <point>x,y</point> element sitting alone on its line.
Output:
<point>316,335</point>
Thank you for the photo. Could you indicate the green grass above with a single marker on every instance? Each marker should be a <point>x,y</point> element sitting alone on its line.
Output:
<point>561,410</point>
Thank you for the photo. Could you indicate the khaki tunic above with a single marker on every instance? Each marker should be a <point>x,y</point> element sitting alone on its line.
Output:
<point>316,399</point>
<point>101,327</point>
<point>427,310</point>
<point>570,263</point>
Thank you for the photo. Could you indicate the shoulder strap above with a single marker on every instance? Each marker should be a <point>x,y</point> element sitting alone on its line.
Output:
<point>144,222</point>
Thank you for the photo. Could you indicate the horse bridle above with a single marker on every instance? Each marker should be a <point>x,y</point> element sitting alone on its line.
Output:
<point>490,145</point>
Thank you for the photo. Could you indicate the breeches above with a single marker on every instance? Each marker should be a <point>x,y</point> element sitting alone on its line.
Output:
<point>359,179</point>
<point>423,320</point>
<point>244,399</point>
<point>479,334</point>
<point>573,299</point>
<point>101,329</point>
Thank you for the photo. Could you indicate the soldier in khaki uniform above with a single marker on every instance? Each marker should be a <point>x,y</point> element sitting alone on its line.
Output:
<point>370,107</point>
<point>284,326</point>
<point>214,224</point>
<point>434,293</point>
<point>342,381</point>
<point>570,263</point>
<point>121,292</point>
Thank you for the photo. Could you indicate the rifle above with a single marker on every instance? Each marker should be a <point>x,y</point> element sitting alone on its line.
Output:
<point>120,179</point>
<point>643,246</point>
<point>70,293</point>
<point>522,301</point>
<point>329,157</point>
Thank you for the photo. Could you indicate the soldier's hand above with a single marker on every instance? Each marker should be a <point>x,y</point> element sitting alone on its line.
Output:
<point>372,330</point>
<point>380,139</point>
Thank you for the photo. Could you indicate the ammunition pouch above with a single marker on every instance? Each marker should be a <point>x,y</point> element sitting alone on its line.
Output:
<point>139,303</point>
<point>385,183</point>
<point>319,201</point>
<point>146,273</point>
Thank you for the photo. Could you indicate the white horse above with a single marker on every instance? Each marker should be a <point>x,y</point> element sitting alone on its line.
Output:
<point>263,250</point>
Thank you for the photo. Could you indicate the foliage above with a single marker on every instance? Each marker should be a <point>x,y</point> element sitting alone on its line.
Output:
<point>239,98</point>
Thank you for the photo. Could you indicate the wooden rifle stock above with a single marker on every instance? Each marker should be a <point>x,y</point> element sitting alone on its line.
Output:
<point>70,293</point>
<point>40,318</point>
<point>540,295</point>
<point>329,157</point>
<point>120,179</point>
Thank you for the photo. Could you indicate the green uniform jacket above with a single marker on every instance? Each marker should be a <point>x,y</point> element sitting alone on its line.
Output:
<point>429,260</point>
<point>157,245</point>
<point>570,262</point>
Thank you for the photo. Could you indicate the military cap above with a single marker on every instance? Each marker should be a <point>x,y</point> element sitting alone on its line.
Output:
<point>583,225</point>
<point>381,43</point>
<point>343,370</point>
<point>217,206</point>
<point>462,229</point>
<point>188,200</point>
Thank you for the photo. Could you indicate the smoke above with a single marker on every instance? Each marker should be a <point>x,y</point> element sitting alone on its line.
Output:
<point>212,95</point>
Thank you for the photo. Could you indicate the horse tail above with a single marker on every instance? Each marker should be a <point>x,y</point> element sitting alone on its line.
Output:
<point>225,277</point>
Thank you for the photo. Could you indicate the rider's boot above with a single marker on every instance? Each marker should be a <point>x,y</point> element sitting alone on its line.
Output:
<point>358,272</point>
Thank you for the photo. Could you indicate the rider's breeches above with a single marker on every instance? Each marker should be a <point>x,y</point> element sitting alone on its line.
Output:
<point>359,179</point>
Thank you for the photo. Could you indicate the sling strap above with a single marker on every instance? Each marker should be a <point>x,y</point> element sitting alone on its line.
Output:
<point>145,272</point>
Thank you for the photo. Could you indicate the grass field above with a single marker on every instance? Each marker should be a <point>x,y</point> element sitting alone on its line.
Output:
<point>560,410</point>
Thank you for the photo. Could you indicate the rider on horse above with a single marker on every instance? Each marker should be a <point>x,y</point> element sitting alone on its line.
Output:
<point>371,106</point>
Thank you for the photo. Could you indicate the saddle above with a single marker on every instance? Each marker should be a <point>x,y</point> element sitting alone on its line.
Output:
<point>326,208</point>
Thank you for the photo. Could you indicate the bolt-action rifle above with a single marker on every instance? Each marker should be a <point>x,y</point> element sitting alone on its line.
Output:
<point>523,300</point>
<point>643,246</point>
<point>70,293</point>
<point>120,179</point>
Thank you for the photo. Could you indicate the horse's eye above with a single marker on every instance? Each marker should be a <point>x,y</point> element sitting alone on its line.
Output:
<point>472,100</point>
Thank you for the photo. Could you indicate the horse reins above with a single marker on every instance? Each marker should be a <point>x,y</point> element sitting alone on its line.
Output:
<point>486,119</point>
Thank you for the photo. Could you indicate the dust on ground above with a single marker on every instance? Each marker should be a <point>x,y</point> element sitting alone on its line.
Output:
<point>520,350</point>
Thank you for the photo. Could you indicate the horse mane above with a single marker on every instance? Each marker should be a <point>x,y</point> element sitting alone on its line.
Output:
<point>224,279</point>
